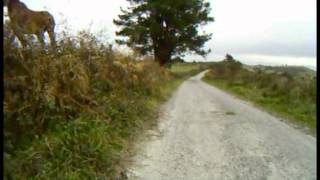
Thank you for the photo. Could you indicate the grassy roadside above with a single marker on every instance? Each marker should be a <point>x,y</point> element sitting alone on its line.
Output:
<point>80,139</point>
<point>75,114</point>
<point>285,99</point>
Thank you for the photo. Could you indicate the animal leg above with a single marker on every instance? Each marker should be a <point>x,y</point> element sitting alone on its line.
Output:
<point>41,39</point>
<point>22,40</point>
<point>11,37</point>
<point>52,39</point>
<point>21,55</point>
<point>23,43</point>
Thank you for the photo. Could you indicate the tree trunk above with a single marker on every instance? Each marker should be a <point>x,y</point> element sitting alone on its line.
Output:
<point>162,56</point>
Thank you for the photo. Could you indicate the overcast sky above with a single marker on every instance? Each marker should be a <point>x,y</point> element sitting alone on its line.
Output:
<point>253,31</point>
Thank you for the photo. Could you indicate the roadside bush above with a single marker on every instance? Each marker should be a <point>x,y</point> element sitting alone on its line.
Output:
<point>71,114</point>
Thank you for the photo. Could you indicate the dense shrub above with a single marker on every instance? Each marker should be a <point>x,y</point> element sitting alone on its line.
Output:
<point>70,114</point>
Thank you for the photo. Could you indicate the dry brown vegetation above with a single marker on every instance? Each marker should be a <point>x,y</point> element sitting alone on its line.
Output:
<point>73,114</point>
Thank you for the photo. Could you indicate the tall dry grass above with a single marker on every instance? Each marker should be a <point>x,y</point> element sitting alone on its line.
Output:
<point>71,114</point>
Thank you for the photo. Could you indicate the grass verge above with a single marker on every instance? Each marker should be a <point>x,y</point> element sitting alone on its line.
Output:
<point>285,99</point>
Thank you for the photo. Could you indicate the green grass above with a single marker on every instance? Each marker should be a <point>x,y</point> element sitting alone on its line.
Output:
<point>230,113</point>
<point>299,110</point>
<point>180,68</point>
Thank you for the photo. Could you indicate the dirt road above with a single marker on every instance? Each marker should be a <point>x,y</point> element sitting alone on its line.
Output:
<point>205,133</point>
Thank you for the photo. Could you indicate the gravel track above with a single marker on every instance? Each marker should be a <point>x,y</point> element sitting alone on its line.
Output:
<point>205,133</point>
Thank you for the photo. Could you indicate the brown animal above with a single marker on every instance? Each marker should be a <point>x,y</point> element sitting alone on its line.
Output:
<point>26,21</point>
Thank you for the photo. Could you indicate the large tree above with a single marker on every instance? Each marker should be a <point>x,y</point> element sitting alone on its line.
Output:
<point>164,28</point>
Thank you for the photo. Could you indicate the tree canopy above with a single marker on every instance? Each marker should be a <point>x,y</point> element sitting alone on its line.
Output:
<point>164,27</point>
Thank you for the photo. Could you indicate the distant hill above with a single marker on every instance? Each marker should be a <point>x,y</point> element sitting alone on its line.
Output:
<point>292,70</point>
<point>312,68</point>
